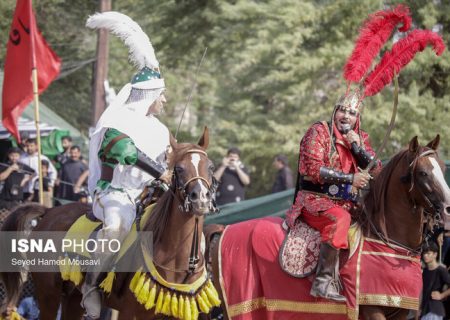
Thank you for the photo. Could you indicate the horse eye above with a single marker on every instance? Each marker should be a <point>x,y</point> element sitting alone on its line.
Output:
<point>179,169</point>
<point>423,173</point>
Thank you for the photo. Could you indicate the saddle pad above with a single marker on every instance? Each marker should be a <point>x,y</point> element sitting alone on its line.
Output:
<point>299,252</point>
<point>83,228</point>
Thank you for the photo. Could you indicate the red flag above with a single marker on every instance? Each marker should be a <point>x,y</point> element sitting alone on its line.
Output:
<point>26,49</point>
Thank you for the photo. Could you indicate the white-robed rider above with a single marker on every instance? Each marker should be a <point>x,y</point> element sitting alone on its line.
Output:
<point>128,146</point>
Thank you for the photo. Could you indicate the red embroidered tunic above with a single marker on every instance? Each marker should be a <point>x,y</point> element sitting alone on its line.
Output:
<point>315,152</point>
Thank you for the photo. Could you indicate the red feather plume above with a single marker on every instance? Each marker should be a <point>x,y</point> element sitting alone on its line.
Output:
<point>373,35</point>
<point>401,54</point>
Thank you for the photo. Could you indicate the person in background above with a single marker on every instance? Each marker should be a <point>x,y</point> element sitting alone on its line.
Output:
<point>27,309</point>
<point>64,156</point>
<point>14,176</point>
<point>31,159</point>
<point>47,186</point>
<point>72,176</point>
<point>434,277</point>
<point>233,177</point>
<point>283,179</point>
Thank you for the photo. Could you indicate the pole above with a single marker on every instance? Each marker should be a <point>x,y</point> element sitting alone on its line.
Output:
<point>34,76</point>
<point>100,68</point>
<point>38,133</point>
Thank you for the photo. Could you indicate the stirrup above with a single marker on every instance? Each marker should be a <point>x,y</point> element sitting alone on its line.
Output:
<point>83,300</point>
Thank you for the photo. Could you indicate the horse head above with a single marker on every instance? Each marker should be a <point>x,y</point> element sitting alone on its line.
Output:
<point>425,180</point>
<point>193,178</point>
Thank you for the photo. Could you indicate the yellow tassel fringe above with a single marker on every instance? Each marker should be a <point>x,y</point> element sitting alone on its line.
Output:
<point>144,293</point>
<point>159,301</point>
<point>14,316</point>
<point>135,280</point>
<point>70,272</point>
<point>166,305</point>
<point>174,306</point>
<point>181,308</point>
<point>151,298</point>
<point>194,310</point>
<point>177,304</point>
<point>64,268</point>
<point>107,283</point>
<point>187,309</point>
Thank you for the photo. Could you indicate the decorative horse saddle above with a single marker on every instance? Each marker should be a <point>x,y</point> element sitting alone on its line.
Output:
<point>299,252</point>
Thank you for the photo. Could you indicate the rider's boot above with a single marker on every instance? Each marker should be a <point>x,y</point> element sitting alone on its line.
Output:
<point>92,295</point>
<point>326,283</point>
<point>92,298</point>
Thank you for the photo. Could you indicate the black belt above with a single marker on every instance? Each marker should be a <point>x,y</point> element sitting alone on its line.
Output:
<point>107,173</point>
<point>341,191</point>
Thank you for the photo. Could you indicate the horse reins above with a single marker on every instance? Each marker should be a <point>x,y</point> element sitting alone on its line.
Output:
<point>387,241</point>
<point>194,258</point>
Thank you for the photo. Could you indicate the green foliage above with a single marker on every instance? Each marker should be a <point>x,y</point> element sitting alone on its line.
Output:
<point>272,69</point>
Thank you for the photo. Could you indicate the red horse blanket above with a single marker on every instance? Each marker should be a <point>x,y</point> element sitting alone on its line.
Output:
<point>255,287</point>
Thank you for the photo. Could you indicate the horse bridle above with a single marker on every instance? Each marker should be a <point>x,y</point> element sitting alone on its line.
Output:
<point>186,206</point>
<point>182,187</point>
<point>410,175</point>
<point>437,218</point>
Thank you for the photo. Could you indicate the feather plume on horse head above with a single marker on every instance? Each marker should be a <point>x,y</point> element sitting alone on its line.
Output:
<point>141,52</point>
<point>373,35</point>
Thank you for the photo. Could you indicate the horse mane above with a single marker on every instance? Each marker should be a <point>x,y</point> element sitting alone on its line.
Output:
<point>375,200</point>
<point>159,217</point>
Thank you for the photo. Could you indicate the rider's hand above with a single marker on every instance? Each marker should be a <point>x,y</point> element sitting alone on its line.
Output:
<point>360,179</point>
<point>351,137</point>
<point>166,177</point>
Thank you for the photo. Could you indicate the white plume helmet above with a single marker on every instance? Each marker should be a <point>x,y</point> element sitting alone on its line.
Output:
<point>141,52</point>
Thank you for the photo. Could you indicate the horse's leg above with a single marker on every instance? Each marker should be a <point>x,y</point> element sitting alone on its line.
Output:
<point>383,313</point>
<point>70,306</point>
<point>372,313</point>
<point>48,293</point>
<point>401,314</point>
<point>215,272</point>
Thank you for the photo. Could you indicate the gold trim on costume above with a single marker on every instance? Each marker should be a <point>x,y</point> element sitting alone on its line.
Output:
<point>221,282</point>
<point>389,301</point>
<point>285,305</point>
<point>383,243</point>
<point>352,314</point>
<point>358,274</point>
<point>392,255</point>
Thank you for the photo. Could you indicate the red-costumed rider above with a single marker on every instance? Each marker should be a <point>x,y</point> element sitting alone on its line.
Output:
<point>333,154</point>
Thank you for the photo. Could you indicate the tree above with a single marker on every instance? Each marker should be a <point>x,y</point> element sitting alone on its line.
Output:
<point>272,69</point>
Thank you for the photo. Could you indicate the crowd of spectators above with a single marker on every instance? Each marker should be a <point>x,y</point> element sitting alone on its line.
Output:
<point>19,177</point>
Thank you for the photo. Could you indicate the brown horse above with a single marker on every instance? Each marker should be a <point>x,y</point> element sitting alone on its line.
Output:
<point>176,221</point>
<point>409,191</point>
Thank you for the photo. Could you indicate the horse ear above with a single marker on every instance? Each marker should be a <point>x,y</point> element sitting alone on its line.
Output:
<point>204,140</point>
<point>434,144</point>
<point>173,141</point>
<point>414,144</point>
